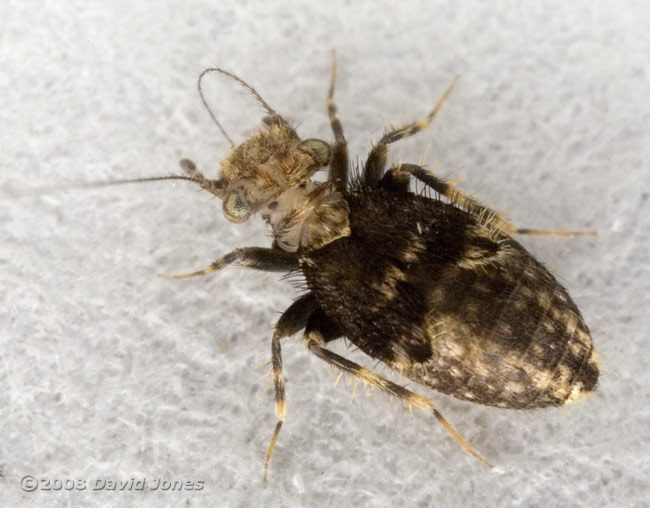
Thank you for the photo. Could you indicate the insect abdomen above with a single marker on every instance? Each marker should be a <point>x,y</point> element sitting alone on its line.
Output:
<point>420,285</point>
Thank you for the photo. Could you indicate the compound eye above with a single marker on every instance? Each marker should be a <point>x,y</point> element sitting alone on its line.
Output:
<point>235,208</point>
<point>319,150</point>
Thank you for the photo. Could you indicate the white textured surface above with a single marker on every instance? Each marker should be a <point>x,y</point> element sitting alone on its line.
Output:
<point>109,372</point>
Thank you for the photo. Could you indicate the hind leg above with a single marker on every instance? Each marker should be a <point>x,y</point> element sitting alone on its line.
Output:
<point>320,330</point>
<point>484,214</point>
<point>396,176</point>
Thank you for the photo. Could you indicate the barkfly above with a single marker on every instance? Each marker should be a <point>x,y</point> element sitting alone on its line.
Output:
<point>436,289</point>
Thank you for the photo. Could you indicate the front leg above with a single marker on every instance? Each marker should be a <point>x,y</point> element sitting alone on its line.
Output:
<point>258,258</point>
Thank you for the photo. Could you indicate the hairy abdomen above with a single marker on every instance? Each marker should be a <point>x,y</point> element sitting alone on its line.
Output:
<point>420,285</point>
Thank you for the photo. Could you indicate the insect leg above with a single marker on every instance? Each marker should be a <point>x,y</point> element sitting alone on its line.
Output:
<point>258,258</point>
<point>376,162</point>
<point>292,320</point>
<point>316,341</point>
<point>395,180</point>
<point>339,162</point>
<point>484,214</point>
<point>553,232</point>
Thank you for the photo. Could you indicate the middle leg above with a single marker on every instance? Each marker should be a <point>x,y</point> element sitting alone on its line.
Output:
<point>339,162</point>
<point>376,162</point>
<point>292,320</point>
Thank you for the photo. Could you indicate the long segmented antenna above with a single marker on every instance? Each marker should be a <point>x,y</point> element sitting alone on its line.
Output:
<point>216,187</point>
<point>245,85</point>
<point>40,191</point>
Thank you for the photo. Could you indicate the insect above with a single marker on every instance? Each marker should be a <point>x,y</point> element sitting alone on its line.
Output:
<point>434,286</point>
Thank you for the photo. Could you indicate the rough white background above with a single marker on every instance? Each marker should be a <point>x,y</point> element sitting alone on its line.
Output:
<point>109,373</point>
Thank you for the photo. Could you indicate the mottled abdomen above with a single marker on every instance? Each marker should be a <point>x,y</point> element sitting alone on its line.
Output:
<point>422,286</point>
